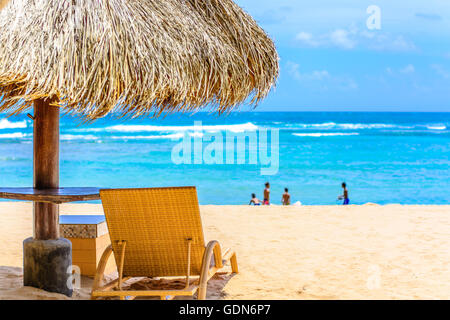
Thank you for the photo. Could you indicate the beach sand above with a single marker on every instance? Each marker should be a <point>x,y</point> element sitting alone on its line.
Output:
<point>309,252</point>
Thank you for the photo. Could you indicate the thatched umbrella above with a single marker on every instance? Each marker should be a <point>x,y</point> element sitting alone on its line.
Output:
<point>129,57</point>
<point>133,57</point>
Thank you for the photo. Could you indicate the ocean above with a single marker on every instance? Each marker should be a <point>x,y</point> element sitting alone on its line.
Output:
<point>383,157</point>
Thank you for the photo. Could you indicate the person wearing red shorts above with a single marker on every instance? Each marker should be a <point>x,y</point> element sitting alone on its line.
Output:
<point>266,201</point>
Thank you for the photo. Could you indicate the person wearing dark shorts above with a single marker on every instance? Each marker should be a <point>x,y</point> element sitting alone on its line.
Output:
<point>344,196</point>
<point>254,201</point>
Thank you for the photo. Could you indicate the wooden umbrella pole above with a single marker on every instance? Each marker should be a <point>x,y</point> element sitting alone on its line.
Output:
<point>46,167</point>
<point>47,259</point>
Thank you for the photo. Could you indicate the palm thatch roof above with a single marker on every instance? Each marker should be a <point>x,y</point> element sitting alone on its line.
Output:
<point>3,3</point>
<point>133,57</point>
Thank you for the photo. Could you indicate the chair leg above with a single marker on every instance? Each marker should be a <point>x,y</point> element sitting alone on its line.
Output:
<point>201,295</point>
<point>123,245</point>
<point>101,269</point>
<point>213,247</point>
<point>203,283</point>
<point>234,264</point>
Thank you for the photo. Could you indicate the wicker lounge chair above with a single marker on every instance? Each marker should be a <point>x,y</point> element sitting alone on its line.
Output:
<point>157,233</point>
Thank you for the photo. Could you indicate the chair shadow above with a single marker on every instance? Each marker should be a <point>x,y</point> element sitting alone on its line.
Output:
<point>215,290</point>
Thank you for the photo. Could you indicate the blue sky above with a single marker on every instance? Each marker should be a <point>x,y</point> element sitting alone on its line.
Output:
<point>331,61</point>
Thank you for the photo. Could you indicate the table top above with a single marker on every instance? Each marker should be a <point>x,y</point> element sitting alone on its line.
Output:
<point>56,196</point>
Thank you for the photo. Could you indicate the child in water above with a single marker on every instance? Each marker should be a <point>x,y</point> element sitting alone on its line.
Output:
<point>255,201</point>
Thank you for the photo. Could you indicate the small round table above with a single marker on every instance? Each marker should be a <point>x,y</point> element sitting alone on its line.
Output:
<point>47,257</point>
<point>55,196</point>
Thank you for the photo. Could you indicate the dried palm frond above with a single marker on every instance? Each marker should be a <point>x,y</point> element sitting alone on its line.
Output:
<point>133,57</point>
<point>3,3</point>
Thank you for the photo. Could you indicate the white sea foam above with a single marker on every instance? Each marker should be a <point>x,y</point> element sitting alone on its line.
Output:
<point>345,126</point>
<point>14,135</point>
<point>74,137</point>
<point>315,125</point>
<point>436,127</point>
<point>249,126</point>
<point>196,134</point>
<point>325,134</point>
<point>161,137</point>
<point>70,137</point>
<point>148,128</point>
<point>353,126</point>
<point>6,124</point>
<point>311,125</point>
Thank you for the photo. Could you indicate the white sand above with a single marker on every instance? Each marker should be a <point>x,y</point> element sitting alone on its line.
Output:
<point>320,252</point>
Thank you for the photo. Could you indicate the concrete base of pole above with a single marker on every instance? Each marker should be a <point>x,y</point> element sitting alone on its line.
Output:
<point>47,265</point>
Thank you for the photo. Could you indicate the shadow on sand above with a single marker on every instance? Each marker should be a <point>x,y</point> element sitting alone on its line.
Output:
<point>11,286</point>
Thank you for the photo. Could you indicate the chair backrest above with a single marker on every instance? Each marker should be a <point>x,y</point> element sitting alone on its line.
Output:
<point>156,224</point>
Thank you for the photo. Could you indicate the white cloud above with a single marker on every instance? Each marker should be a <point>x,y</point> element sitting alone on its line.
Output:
<point>321,79</point>
<point>386,42</point>
<point>293,69</point>
<point>341,38</point>
<point>316,75</point>
<point>319,75</point>
<point>408,69</point>
<point>440,70</point>
<point>352,37</point>
<point>307,38</point>
<point>304,36</point>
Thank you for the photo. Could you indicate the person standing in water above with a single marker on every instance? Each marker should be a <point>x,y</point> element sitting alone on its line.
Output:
<point>267,194</point>
<point>286,199</point>
<point>344,196</point>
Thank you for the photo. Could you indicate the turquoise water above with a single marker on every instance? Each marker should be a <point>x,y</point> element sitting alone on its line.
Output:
<point>383,157</point>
